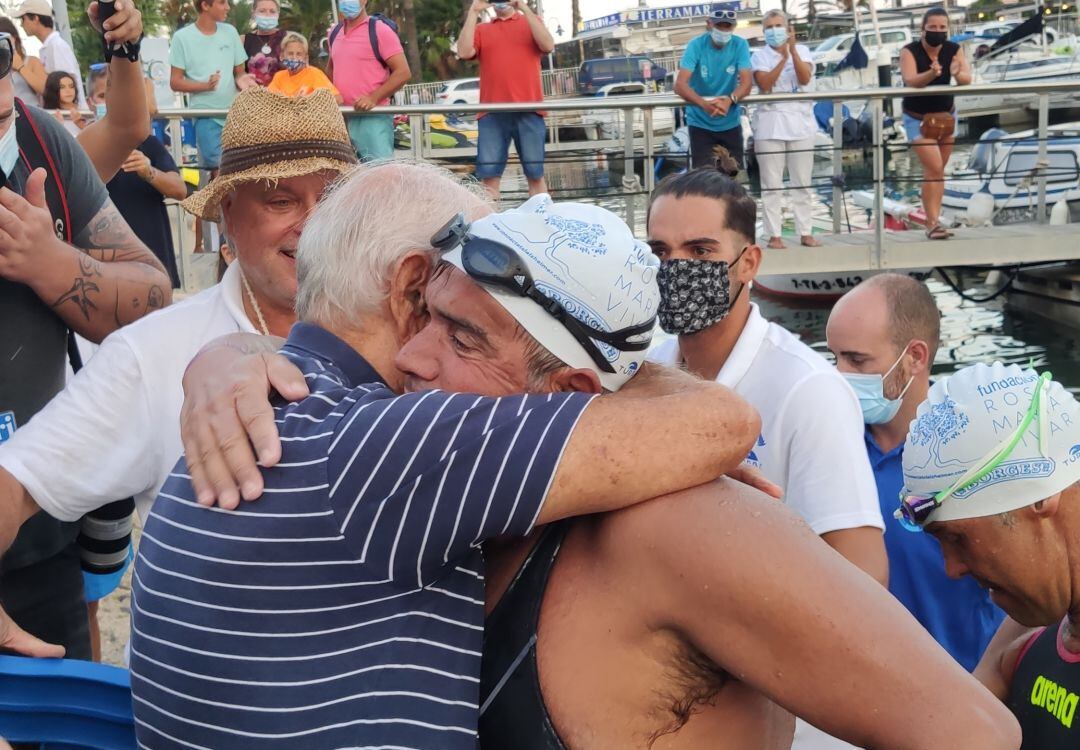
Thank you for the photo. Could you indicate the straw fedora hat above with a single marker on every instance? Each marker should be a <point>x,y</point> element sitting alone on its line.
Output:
<point>269,136</point>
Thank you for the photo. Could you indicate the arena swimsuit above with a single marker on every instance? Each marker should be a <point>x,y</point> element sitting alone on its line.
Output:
<point>512,710</point>
<point>1045,693</point>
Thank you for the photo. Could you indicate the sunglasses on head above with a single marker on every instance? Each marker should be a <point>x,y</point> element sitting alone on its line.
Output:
<point>496,264</point>
<point>722,16</point>
<point>7,53</point>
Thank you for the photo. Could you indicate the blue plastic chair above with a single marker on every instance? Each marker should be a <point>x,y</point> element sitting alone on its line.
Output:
<point>65,704</point>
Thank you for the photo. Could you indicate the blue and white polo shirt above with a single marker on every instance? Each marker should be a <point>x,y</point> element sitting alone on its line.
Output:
<point>345,607</point>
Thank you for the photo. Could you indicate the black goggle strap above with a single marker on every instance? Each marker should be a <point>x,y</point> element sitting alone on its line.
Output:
<point>7,53</point>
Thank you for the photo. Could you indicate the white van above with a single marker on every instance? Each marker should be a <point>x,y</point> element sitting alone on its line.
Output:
<point>835,48</point>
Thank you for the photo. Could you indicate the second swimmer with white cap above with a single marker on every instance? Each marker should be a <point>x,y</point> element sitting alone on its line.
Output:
<point>992,470</point>
<point>693,620</point>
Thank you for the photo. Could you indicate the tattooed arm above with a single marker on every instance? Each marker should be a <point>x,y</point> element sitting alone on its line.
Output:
<point>109,280</point>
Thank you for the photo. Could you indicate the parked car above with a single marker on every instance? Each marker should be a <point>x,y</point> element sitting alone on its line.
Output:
<point>459,91</point>
<point>595,74</point>
<point>834,49</point>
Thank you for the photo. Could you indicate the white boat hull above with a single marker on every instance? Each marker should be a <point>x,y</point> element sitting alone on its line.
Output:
<point>823,287</point>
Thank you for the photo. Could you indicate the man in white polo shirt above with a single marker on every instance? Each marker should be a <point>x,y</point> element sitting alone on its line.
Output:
<point>701,225</point>
<point>114,431</point>
<point>36,17</point>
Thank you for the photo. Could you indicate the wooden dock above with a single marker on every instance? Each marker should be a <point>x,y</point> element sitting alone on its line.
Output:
<point>996,245</point>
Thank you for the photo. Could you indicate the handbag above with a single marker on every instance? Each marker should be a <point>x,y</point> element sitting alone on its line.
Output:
<point>937,125</point>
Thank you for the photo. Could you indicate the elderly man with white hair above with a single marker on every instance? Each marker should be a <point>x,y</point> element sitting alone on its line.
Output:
<point>345,607</point>
<point>652,628</point>
<point>784,131</point>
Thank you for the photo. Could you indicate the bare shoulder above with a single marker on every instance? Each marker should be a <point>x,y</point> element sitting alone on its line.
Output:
<point>691,533</point>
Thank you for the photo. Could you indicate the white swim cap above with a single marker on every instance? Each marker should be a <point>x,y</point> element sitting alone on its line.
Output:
<point>587,259</point>
<point>966,416</point>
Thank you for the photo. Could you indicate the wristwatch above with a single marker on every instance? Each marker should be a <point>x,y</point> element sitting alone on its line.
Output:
<point>734,99</point>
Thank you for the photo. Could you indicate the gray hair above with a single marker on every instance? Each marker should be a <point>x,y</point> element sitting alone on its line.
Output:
<point>774,13</point>
<point>93,76</point>
<point>291,37</point>
<point>376,214</point>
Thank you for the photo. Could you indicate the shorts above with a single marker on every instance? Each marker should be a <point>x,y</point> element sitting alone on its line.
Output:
<point>208,141</point>
<point>372,136</point>
<point>528,132</point>
<point>702,141</point>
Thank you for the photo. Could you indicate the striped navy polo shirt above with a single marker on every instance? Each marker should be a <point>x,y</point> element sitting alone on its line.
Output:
<point>345,607</point>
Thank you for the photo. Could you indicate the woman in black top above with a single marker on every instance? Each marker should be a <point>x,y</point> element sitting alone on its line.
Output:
<point>263,46</point>
<point>932,61</point>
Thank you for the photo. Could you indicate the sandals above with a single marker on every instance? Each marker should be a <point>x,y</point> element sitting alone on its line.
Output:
<point>938,232</point>
<point>810,240</point>
<point>775,243</point>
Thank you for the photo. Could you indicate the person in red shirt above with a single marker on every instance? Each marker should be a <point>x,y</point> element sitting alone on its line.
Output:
<point>509,49</point>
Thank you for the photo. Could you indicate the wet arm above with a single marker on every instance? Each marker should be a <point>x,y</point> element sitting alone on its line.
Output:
<point>773,606</point>
<point>998,664</point>
<point>864,548</point>
<point>695,431</point>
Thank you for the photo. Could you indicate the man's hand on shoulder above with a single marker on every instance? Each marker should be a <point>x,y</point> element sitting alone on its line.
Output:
<point>227,411</point>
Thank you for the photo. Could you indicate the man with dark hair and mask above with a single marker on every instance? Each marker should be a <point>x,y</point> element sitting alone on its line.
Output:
<point>701,225</point>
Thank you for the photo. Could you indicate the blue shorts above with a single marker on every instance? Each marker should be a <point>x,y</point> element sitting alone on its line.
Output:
<point>208,141</point>
<point>372,136</point>
<point>528,132</point>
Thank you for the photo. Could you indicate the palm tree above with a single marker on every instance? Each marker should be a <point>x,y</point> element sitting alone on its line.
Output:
<point>412,39</point>
<point>575,17</point>
<point>240,15</point>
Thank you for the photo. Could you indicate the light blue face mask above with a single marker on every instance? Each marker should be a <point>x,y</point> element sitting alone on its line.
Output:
<point>349,8</point>
<point>9,150</point>
<point>870,389</point>
<point>99,110</point>
<point>721,37</point>
<point>266,23</point>
<point>776,36</point>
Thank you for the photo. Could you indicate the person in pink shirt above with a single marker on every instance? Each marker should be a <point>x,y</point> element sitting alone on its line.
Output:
<point>367,75</point>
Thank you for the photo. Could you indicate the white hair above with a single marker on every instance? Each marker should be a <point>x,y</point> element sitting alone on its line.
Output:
<point>375,214</point>
<point>775,13</point>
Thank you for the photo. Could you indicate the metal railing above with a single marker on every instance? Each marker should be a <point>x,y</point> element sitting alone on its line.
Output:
<point>557,82</point>
<point>638,115</point>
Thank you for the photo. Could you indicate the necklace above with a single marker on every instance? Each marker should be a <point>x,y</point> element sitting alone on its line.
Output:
<point>255,306</point>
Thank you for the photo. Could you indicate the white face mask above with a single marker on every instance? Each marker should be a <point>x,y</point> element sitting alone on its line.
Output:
<point>9,150</point>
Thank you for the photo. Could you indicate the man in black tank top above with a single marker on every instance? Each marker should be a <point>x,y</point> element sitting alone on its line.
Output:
<point>932,61</point>
<point>992,470</point>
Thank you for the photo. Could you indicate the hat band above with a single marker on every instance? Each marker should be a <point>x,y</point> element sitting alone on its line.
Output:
<point>241,158</point>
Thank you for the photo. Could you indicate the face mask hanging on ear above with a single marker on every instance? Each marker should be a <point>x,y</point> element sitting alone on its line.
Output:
<point>9,151</point>
<point>876,408</point>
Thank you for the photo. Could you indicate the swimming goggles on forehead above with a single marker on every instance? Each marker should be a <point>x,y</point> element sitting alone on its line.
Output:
<point>915,509</point>
<point>7,53</point>
<point>500,265</point>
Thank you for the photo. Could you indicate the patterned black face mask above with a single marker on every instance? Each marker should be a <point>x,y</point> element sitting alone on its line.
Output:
<point>694,294</point>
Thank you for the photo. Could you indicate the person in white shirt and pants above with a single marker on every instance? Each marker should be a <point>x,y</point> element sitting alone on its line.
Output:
<point>36,17</point>
<point>784,131</point>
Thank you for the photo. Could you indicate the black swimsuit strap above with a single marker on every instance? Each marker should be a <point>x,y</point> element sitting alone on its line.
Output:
<point>512,710</point>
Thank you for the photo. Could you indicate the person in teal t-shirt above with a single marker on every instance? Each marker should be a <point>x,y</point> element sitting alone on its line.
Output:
<point>714,74</point>
<point>207,59</point>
